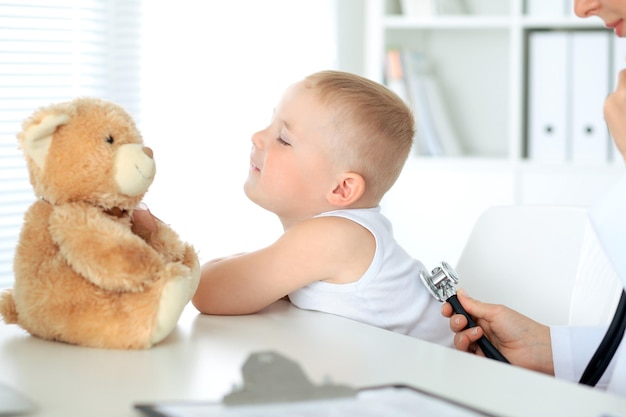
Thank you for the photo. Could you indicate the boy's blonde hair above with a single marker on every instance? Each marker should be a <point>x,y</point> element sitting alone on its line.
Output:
<point>375,128</point>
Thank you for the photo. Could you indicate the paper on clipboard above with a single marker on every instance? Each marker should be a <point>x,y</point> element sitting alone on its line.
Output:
<point>276,386</point>
<point>382,401</point>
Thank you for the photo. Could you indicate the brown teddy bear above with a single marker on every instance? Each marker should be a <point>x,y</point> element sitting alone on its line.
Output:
<point>84,273</point>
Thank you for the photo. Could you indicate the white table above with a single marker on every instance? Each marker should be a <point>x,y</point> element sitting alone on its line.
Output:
<point>202,360</point>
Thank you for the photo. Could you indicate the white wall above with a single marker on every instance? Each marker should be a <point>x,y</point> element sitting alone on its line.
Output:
<point>213,72</point>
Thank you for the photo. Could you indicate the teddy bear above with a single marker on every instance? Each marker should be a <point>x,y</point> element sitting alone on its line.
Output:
<point>85,272</point>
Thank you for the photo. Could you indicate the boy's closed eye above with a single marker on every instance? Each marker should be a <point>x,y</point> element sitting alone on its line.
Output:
<point>283,141</point>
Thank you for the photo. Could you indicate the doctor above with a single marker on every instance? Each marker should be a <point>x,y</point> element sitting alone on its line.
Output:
<point>564,351</point>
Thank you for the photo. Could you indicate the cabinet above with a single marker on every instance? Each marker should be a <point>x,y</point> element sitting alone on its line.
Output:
<point>481,58</point>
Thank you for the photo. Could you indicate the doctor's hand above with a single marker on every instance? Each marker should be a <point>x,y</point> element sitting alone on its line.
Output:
<point>615,113</point>
<point>523,341</point>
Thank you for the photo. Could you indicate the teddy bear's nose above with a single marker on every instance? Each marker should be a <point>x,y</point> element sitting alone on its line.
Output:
<point>148,151</point>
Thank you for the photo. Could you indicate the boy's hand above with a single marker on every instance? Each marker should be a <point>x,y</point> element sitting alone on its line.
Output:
<point>144,224</point>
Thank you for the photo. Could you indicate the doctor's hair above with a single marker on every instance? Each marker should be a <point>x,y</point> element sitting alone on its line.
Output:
<point>375,128</point>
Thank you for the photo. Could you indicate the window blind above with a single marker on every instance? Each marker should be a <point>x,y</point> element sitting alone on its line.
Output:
<point>51,52</point>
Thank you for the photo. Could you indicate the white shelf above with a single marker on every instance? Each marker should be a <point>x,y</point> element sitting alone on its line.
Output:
<point>446,22</point>
<point>570,22</point>
<point>486,22</point>
<point>481,59</point>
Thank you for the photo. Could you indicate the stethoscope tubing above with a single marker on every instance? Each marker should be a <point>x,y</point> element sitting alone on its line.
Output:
<point>608,346</point>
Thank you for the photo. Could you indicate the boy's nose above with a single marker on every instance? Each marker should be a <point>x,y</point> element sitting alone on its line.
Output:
<point>257,140</point>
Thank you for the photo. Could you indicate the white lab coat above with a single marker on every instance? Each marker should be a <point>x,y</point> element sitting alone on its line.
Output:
<point>572,347</point>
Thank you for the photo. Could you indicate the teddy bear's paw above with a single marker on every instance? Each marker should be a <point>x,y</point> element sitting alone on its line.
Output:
<point>166,242</point>
<point>174,297</point>
<point>188,275</point>
<point>185,278</point>
<point>175,270</point>
<point>7,307</point>
<point>190,257</point>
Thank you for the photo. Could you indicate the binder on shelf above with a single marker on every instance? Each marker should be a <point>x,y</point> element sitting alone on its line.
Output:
<point>547,92</point>
<point>589,86</point>
<point>435,134</point>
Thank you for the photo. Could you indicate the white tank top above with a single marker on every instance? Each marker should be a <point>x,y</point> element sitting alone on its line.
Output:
<point>390,294</point>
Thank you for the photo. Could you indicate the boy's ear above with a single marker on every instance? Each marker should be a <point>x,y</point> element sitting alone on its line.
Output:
<point>348,190</point>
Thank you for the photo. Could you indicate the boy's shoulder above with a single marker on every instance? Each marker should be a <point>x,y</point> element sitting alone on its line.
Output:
<point>331,231</point>
<point>336,249</point>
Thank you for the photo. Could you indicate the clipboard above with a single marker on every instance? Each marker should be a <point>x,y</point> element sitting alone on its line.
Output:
<point>277,386</point>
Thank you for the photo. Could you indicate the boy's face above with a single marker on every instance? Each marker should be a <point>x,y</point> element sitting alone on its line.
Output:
<point>290,165</point>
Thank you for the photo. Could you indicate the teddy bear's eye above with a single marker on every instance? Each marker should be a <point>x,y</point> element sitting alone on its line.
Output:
<point>110,139</point>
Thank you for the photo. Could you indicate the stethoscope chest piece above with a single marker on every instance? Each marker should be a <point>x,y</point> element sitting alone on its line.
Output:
<point>441,282</point>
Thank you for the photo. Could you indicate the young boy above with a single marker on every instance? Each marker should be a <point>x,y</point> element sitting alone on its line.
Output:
<point>335,145</point>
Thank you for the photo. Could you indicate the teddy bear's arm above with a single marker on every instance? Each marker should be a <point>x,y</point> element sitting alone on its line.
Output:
<point>159,235</point>
<point>103,249</point>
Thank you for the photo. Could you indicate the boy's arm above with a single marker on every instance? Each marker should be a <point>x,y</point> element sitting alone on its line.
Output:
<point>329,249</point>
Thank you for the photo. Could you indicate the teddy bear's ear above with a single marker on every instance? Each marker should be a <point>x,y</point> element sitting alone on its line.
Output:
<point>37,137</point>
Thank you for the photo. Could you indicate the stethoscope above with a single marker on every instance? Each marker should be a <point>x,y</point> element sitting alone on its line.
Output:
<point>442,283</point>
<point>607,348</point>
